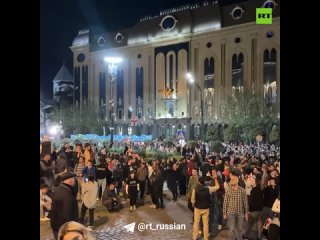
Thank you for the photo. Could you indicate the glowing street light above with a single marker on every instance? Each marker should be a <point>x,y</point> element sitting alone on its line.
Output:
<point>189,76</point>
<point>191,80</point>
<point>53,130</point>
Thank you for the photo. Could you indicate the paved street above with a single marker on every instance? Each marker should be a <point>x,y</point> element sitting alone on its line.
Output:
<point>110,225</point>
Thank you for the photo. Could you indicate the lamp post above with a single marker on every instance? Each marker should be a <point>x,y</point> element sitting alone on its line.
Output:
<point>112,65</point>
<point>191,80</point>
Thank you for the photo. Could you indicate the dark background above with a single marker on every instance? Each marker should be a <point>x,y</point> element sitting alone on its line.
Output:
<point>60,21</point>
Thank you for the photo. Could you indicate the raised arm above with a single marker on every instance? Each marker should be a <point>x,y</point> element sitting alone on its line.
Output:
<point>216,186</point>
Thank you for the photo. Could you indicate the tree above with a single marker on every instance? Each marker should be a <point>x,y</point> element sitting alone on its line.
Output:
<point>76,121</point>
<point>217,147</point>
<point>274,136</point>
<point>214,133</point>
<point>257,130</point>
<point>215,136</point>
<point>232,133</point>
<point>248,117</point>
<point>89,120</point>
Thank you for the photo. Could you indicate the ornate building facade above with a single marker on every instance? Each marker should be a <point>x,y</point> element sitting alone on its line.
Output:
<point>221,45</point>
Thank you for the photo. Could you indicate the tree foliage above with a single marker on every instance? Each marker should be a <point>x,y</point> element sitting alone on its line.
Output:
<point>78,121</point>
<point>232,133</point>
<point>217,147</point>
<point>274,136</point>
<point>248,117</point>
<point>215,133</point>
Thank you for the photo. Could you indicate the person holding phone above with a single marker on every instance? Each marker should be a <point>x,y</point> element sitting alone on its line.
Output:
<point>89,199</point>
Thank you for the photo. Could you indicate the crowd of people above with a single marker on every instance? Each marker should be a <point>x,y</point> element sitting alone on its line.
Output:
<point>224,190</point>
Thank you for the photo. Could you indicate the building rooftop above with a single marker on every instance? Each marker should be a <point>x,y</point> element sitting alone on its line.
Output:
<point>63,75</point>
<point>178,21</point>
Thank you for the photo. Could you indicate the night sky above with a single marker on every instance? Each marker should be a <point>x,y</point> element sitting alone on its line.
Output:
<point>60,21</point>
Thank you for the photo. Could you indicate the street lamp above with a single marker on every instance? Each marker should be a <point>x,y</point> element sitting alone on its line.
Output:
<point>112,64</point>
<point>55,131</point>
<point>191,80</point>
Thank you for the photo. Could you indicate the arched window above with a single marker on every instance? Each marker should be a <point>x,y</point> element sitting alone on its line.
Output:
<point>139,128</point>
<point>85,84</point>
<point>171,71</point>
<point>209,73</point>
<point>139,92</point>
<point>269,76</point>
<point>174,130</point>
<point>206,66</point>
<point>120,113</point>
<point>197,130</point>
<point>168,130</point>
<point>237,71</point>
<point>102,95</point>
<point>120,88</point>
<point>162,130</point>
<point>209,86</point>
<point>102,88</point>
<point>211,66</point>
<point>149,129</point>
<point>102,113</point>
<point>77,85</point>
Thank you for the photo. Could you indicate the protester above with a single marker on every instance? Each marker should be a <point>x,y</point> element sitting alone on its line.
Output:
<point>64,203</point>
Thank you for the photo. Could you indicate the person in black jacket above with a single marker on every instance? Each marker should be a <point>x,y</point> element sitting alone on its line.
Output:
<point>132,189</point>
<point>255,208</point>
<point>182,177</point>
<point>64,203</point>
<point>110,199</point>
<point>200,199</point>
<point>157,187</point>
<point>172,178</point>
<point>270,193</point>
<point>184,151</point>
<point>205,167</point>
<point>118,177</point>
<point>101,170</point>
<point>125,150</point>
